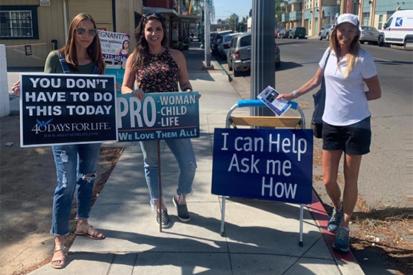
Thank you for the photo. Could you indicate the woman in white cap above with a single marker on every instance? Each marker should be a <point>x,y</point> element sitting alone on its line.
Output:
<point>346,119</point>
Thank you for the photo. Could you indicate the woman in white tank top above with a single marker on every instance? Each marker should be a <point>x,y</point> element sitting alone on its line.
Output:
<point>346,119</point>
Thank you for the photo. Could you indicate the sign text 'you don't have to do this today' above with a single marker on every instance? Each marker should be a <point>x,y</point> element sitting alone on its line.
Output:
<point>66,109</point>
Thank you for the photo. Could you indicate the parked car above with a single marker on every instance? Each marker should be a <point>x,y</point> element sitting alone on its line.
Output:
<point>282,33</point>
<point>225,44</point>
<point>398,29</point>
<point>279,32</point>
<point>369,34</point>
<point>297,32</point>
<point>325,32</point>
<point>239,55</point>
<point>287,33</point>
<point>217,39</point>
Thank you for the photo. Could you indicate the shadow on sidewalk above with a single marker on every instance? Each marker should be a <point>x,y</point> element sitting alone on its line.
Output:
<point>173,249</point>
<point>195,58</point>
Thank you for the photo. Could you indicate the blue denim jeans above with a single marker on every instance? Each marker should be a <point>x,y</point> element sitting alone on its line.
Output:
<point>184,154</point>
<point>75,167</point>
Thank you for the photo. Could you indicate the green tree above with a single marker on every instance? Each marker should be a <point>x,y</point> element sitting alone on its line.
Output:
<point>233,22</point>
<point>242,27</point>
<point>199,4</point>
<point>278,11</point>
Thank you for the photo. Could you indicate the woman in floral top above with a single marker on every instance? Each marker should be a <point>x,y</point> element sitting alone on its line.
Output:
<point>156,68</point>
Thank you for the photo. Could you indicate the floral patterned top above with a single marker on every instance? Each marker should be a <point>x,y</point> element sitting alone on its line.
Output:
<point>158,74</point>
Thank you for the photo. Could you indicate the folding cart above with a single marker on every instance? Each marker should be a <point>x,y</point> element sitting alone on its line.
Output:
<point>286,122</point>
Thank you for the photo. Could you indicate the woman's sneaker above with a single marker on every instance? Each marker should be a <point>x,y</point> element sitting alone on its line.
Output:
<point>166,221</point>
<point>182,211</point>
<point>335,220</point>
<point>342,242</point>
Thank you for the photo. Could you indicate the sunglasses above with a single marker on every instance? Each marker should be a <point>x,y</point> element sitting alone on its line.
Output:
<point>81,31</point>
<point>153,15</point>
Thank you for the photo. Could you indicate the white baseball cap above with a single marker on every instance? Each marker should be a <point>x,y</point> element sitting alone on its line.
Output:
<point>348,18</point>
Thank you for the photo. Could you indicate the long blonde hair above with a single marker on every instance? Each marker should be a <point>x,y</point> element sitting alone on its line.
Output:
<point>351,55</point>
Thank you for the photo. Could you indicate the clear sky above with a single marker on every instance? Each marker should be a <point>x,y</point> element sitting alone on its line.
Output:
<point>224,8</point>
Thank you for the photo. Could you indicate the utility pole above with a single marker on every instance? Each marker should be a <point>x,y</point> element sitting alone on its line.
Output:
<point>349,6</point>
<point>263,50</point>
<point>320,15</point>
<point>207,61</point>
<point>342,6</point>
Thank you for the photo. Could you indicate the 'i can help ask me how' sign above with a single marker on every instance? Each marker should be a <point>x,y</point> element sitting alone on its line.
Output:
<point>167,115</point>
<point>267,164</point>
<point>67,109</point>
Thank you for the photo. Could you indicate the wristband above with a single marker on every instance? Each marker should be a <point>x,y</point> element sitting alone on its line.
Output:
<point>295,93</point>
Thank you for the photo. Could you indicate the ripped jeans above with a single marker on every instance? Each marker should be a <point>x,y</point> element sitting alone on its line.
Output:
<point>184,154</point>
<point>75,166</point>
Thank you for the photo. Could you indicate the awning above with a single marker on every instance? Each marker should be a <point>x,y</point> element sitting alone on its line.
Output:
<point>192,18</point>
<point>149,10</point>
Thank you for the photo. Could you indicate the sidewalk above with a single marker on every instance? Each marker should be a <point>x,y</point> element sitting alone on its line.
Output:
<point>261,237</point>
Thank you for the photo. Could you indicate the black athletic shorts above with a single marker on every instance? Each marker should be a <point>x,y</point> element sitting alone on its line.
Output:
<point>353,139</point>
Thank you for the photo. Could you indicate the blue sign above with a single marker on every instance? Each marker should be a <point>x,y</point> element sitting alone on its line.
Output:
<point>165,115</point>
<point>267,164</point>
<point>67,109</point>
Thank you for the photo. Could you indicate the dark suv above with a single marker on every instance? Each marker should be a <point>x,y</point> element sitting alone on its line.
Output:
<point>297,32</point>
<point>217,40</point>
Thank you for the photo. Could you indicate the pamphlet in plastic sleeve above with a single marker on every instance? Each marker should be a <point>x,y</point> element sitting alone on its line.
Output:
<point>269,97</point>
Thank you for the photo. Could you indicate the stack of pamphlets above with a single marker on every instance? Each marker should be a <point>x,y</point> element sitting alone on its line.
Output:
<point>269,97</point>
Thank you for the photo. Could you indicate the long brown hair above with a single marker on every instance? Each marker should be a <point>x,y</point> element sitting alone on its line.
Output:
<point>351,55</point>
<point>94,50</point>
<point>141,52</point>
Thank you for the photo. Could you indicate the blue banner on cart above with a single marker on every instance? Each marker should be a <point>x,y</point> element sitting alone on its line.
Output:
<point>267,164</point>
<point>166,115</point>
<point>67,109</point>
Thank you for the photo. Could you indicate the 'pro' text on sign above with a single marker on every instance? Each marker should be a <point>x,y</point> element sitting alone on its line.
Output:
<point>168,115</point>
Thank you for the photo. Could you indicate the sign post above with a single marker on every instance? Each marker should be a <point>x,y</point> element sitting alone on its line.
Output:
<point>4,95</point>
<point>167,115</point>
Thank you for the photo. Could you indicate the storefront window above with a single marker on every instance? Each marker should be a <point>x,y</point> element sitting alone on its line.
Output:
<point>18,22</point>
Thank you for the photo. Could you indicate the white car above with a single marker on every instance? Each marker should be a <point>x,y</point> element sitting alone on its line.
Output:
<point>325,32</point>
<point>398,29</point>
<point>369,34</point>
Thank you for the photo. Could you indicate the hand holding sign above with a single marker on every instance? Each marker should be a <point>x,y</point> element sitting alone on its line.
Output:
<point>15,89</point>
<point>139,93</point>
